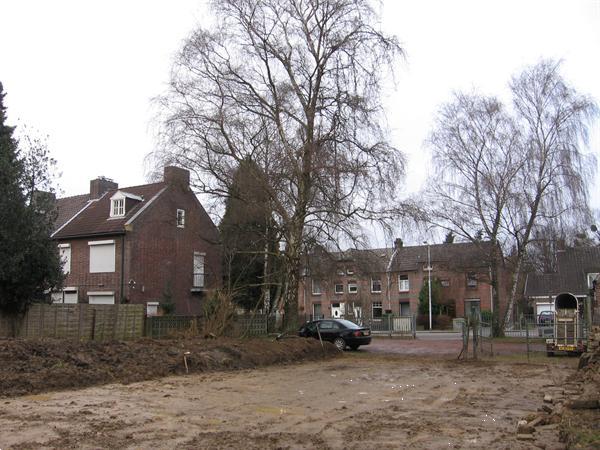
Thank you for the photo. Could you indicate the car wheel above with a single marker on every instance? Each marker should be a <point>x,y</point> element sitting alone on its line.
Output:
<point>339,343</point>
<point>549,353</point>
<point>354,347</point>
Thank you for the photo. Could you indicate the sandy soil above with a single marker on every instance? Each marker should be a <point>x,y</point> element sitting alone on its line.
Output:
<point>360,400</point>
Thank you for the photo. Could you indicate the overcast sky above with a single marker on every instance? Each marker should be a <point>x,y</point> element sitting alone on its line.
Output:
<point>84,72</point>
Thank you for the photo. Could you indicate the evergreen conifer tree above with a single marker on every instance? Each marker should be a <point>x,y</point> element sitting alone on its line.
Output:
<point>29,260</point>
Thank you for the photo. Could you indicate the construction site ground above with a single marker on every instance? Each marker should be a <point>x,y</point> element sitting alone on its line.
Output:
<point>396,393</point>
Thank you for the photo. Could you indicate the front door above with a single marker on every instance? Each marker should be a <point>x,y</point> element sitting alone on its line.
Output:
<point>472,307</point>
<point>316,311</point>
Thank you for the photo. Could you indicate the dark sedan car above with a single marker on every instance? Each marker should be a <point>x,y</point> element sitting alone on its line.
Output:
<point>341,332</point>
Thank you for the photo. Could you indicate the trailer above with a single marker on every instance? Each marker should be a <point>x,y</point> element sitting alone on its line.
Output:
<point>568,326</point>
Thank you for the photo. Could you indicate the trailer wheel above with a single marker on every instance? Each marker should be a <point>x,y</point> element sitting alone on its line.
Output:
<point>549,354</point>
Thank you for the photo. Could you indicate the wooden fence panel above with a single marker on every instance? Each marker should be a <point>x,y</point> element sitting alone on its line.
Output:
<point>77,322</point>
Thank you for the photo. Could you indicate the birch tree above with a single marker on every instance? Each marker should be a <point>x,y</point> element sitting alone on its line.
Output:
<point>553,184</point>
<point>293,85</point>
<point>476,159</point>
<point>504,172</point>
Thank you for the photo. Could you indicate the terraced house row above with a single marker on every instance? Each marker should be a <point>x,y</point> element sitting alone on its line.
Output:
<point>373,282</point>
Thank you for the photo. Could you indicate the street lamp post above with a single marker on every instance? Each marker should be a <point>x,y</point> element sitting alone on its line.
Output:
<point>429,280</point>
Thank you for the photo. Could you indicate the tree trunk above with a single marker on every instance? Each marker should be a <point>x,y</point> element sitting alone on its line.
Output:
<point>513,293</point>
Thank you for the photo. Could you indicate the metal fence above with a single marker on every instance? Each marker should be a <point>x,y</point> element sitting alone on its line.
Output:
<point>243,325</point>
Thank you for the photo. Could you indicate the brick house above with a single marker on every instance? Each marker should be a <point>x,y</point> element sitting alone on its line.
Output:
<point>141,244</point>
<point>576,270</point>
<point>370,283</point>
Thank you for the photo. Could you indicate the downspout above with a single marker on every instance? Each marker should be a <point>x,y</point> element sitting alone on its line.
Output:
<point>122,266</point>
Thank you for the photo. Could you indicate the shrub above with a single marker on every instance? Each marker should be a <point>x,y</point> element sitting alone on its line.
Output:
<point>443,322</point>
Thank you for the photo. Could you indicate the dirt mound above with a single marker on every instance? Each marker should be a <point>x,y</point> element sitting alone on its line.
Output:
<point>28,367</point>
<point>580,425</point>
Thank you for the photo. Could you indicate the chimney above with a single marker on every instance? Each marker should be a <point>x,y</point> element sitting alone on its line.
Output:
<point>100,185</point>
<point>398,243</point>
<point>176,176</point>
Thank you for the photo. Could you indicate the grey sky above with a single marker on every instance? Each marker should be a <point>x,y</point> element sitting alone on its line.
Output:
<point>84,72</point>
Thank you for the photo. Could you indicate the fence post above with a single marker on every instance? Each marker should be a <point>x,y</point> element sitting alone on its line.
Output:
<point>526,335</point>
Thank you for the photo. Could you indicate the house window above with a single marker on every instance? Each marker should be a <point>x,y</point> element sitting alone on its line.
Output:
<point>375,285</point>
<point>198,273</point>
<point>64,251</point>
<point>316,287</point>
<point>403,284</point>
<point>118,207</point>
<point>445,283</point>
<point>404,308</point>
<point>590,279</point>
<point>339,288</point>
<point>352,287</point>
<point>181,218</point>
<point>471,280</point>
<point>102,256</point>
<point>377,310</point>
<point>101,298</point>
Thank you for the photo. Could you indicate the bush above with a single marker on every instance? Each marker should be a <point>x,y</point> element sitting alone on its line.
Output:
<point>442,322</point>
<point>486,316</point>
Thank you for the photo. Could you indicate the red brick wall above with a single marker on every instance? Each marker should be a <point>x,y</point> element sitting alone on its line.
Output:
<point>80,276</point>
<point>160,254</point>
<point>456,293</point>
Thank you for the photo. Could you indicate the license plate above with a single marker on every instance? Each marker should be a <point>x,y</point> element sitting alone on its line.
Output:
<point>566,347</point>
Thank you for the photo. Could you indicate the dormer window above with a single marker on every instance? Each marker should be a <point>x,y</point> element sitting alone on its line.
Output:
<point>121,201</point>
<point>118,207</point>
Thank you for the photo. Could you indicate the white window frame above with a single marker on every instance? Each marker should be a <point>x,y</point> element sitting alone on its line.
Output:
<point>373,280</point>
<point>199,278</point>
<point>101,294</point>
<point>376,305</point>
<point>472,281</point>
<point>117,207</point>
<point>316,288</point>
<point>65,257</point>
<point>590,279</point>
<point>110,267</point>
<point>403,283</point>
<point>338,291</point>
<point>180,218</point>
<point>349,272</point>
<point>352,287</point>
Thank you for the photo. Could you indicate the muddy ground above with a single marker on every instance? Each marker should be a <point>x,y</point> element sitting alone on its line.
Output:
<point>365,399</point>
<point>29,367</point>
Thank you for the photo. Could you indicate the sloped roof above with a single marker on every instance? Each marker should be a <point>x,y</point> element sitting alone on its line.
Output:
<point>572,267</point>
<point>96,220</point>
<point>67,207</point>
<point>463,255</point>
<point>458,256</point>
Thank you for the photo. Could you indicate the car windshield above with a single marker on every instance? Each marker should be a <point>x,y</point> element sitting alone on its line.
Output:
<point>348,324</point>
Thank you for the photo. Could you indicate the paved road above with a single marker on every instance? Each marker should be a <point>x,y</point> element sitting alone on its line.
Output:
<point>442,344</point>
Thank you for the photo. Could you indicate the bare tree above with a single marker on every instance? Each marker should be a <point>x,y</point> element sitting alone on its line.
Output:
<point>293,85</point>
<point>476,158</point>
<point>503,173</point>
<point>553,184</point>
